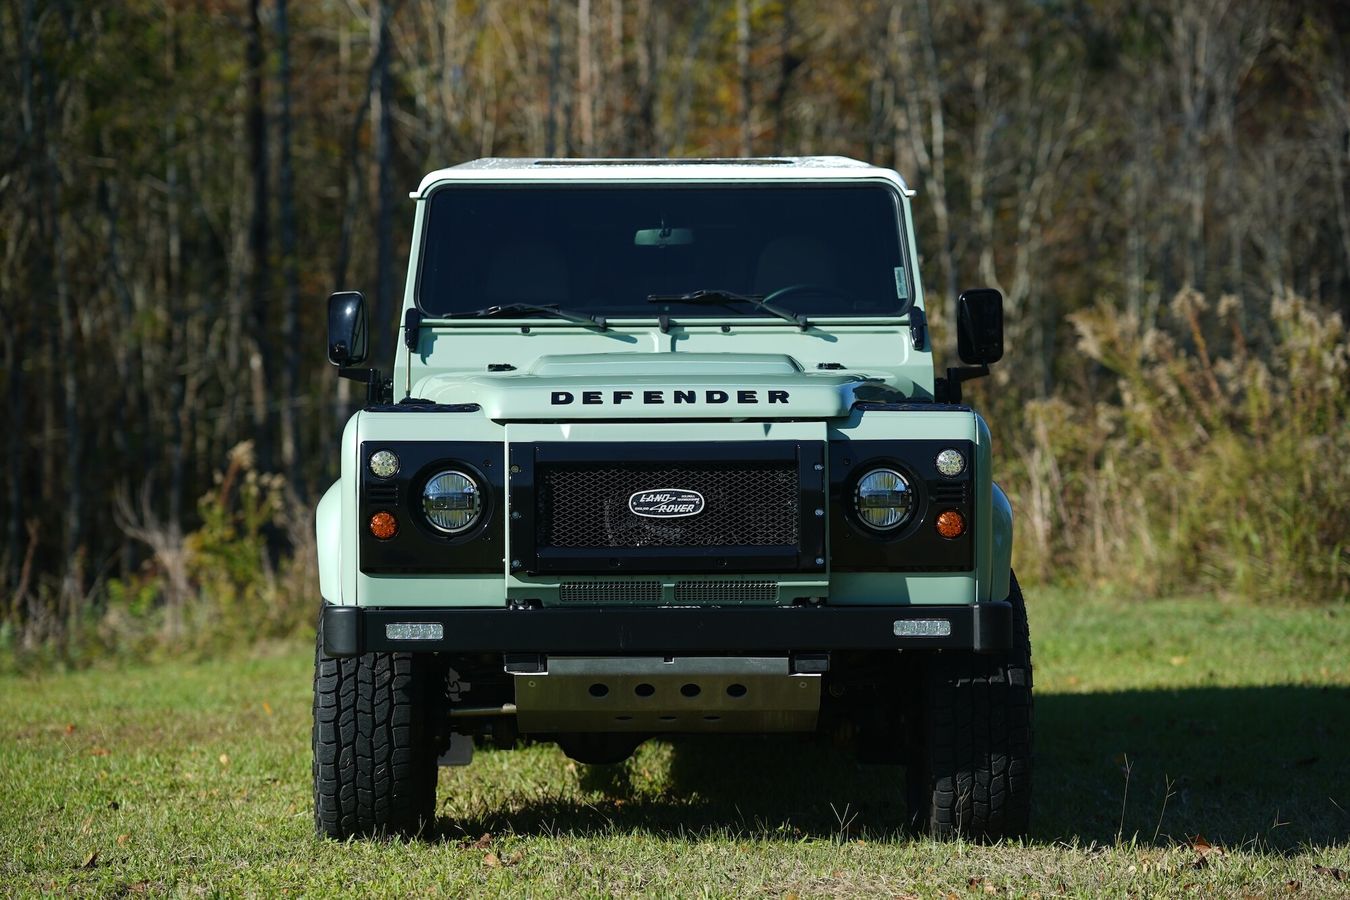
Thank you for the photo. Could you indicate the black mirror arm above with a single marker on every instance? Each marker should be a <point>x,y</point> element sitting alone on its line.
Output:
<point>948,390</point>
<point>378,388</point>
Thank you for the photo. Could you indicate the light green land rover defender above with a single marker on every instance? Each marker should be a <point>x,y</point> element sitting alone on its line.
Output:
<point>663,452</point>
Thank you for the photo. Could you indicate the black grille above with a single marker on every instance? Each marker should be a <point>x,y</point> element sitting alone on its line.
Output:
<point>610,592</point>
<point>726,592</point>
<point>744,505</point>
<point>383,494</point>
<point>950,493</point>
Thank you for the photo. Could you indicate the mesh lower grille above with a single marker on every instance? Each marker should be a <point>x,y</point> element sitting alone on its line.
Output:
<point>686,592</point>
<point>726,592</point>
<point>745,505</point>
<point>610,592</point>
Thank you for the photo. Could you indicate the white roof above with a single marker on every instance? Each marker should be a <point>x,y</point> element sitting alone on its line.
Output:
<point>748,169</point>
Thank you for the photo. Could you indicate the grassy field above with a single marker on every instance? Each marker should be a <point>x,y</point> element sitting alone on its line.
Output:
<point>1156,723</point>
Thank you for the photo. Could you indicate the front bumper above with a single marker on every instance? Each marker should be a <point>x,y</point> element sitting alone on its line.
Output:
<point>984,627</point>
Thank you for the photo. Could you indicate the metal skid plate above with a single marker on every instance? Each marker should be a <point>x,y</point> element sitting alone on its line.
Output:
<point>667,694</point>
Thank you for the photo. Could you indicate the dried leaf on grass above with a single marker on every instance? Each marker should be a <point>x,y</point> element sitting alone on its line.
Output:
<point>1330,872</point>
<point>1205,851</point>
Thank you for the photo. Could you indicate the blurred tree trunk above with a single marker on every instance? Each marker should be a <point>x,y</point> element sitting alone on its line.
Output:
<point>261,361</point>
<point>290,323</point>
<point>353,189</point>
<point>787,65</point>
<point>650,28</point>
<point>12,317</point>
<point>551,142</point>
<point>179,411</point>
<point>73,579</point>
<point>743,69</point>
<point>937,146</point>
<point>684,94</point>
<point>382,322</point>
<point>585,78</point>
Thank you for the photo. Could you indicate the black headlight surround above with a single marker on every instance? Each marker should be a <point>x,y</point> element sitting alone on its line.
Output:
<point>915,546</point>
<point>420,547</point>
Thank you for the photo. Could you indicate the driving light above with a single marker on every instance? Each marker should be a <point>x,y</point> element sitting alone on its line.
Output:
<point>384,464</point>
<point>951,463</point>
<point>383,525</point>
<point>951,524</point>
<point>922,628</point>
<point>414,631</point>
<point>884,499</point>
<point>451,502</point>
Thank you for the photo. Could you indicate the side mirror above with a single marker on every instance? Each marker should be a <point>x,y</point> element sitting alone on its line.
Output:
<point>979,326</point>
<point>347,334</point>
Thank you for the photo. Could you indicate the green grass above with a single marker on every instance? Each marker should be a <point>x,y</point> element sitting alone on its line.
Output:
<point>188,778</point>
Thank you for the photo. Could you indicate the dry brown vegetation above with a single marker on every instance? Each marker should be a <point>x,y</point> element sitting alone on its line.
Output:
<point>1214,462</point>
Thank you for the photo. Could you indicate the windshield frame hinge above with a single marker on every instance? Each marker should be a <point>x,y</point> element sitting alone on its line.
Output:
<point>918,328</point>
<point>412,325</point>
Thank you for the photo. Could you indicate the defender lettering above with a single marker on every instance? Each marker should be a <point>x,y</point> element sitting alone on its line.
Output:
<point>659,397</point>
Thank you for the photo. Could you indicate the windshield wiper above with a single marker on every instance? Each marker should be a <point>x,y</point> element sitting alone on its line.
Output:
<point>548,309</point>
<point>722,298</point>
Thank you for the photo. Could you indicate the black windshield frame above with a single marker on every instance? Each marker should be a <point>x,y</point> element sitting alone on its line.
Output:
<point>856,227</point>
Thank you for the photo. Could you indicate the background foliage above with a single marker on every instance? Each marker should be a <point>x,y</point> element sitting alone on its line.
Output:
<point>1160,189</point>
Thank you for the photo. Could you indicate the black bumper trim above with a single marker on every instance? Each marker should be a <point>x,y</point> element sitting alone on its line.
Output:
<point>351,630</point>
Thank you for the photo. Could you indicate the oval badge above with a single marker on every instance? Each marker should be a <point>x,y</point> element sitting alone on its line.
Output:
<point>666,503</point>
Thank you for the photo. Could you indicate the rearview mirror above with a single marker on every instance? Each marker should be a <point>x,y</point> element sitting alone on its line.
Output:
<point>979,326</point>
<point>663,237</point>
<point>347,341</point>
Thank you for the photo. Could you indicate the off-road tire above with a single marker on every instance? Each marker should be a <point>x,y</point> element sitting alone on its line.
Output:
<point>374,758</point>
<point>969,774</point>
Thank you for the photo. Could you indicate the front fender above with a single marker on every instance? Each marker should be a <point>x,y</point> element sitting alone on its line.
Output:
<point>1001,528</point>
<point>328,533</point>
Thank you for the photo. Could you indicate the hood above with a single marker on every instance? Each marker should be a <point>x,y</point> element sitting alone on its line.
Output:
<point>659,386</point>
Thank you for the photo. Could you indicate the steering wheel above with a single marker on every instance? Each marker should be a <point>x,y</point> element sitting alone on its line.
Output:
<point>791,289</point>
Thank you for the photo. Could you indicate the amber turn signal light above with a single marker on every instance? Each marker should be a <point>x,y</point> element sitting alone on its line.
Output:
<point>383,525</point>
<point>951,524</point>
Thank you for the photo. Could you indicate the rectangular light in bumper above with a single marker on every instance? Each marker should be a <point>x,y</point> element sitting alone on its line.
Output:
<point>922,628</point>
<point>414,631</point>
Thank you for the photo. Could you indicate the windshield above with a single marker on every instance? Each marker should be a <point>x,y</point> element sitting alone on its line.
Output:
<point>633,251</point>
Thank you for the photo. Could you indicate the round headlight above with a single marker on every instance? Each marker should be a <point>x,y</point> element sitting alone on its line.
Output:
<point>451,502</point>
<point>384,464</point>
<point>951,463</point>
<point>884,499</point>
